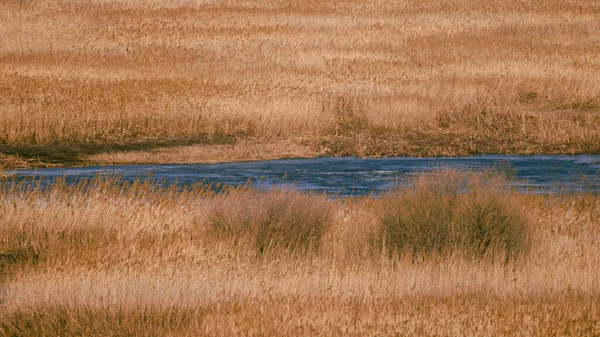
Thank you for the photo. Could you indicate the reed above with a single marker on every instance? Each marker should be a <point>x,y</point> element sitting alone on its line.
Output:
<point>103,258</point>
<point>277,220</point>
<point>454,212</point>
<point>456,77</point>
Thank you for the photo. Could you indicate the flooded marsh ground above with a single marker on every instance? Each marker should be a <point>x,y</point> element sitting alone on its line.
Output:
<point>177,81</point>
<point>101,259</point>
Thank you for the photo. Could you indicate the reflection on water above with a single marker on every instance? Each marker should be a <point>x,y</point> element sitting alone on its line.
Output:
<point>354,176</point>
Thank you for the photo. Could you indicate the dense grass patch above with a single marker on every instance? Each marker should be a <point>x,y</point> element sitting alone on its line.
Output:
<point>276,219</point>
<point>99,259</point>
<point>572,315</point>
<point>473,214</point>
<point>401,78</point>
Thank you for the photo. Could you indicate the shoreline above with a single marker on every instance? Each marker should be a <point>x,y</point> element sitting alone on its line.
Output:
<point>244,150</point>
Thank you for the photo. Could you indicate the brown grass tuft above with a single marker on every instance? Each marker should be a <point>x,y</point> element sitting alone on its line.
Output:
<point>453,212</point>
<point>278,219</point>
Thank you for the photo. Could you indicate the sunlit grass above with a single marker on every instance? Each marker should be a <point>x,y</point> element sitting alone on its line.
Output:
<point>103,258</point>
<point>339,77</point>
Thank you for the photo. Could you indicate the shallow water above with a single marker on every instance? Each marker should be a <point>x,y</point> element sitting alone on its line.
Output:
<point>347,176</point>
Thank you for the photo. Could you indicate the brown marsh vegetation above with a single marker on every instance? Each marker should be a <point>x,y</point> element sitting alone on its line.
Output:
<point>103,259</point>
<point>112,81</point>
<point>101,81</point>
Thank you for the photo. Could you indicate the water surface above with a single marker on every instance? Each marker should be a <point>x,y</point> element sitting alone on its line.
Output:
<point>346,176</point>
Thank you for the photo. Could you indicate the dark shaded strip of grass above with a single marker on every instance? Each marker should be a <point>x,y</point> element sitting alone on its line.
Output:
<point>74,153</point>
<point>361,143</point>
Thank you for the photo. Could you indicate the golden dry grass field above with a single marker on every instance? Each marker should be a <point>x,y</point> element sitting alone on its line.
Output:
<point>157,81</point>
<point>111,81</point>
<point>103,260</point>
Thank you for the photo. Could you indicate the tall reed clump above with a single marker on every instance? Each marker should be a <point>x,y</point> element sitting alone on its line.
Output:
<point>452,212</point>
<point>273,220</point>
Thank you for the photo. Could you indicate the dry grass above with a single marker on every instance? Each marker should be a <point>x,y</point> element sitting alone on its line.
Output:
<point>243,150</point>
<point>105,260</point>
<point>377,78</point>
<point>278,220</point>
<point>454,213</point>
